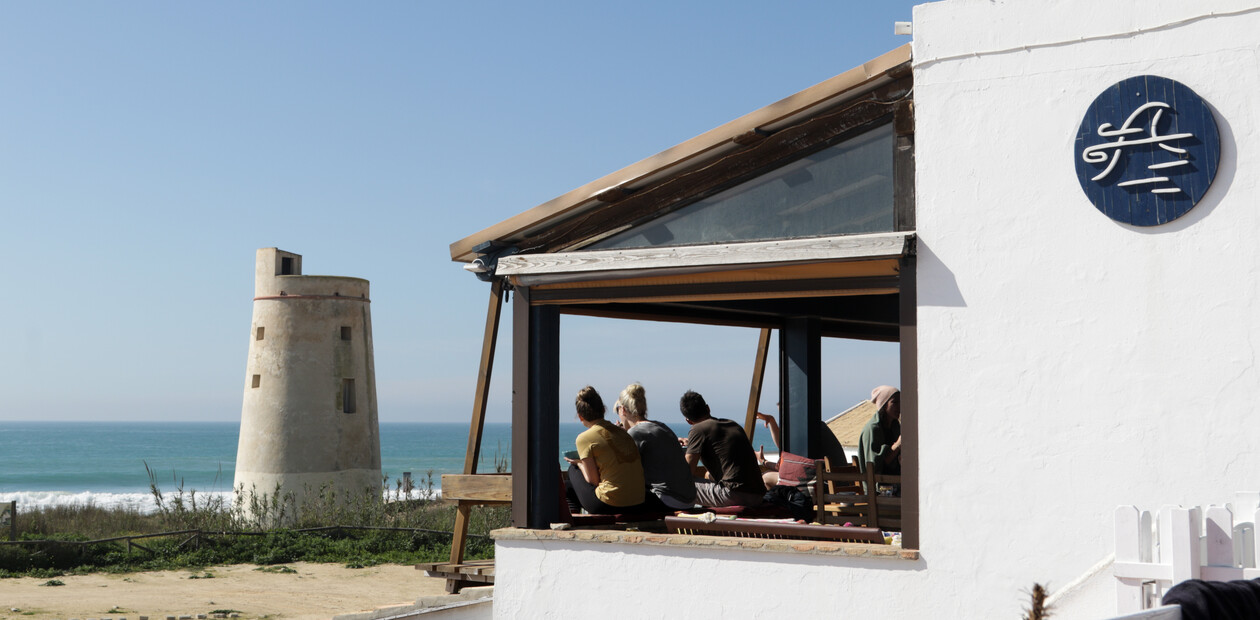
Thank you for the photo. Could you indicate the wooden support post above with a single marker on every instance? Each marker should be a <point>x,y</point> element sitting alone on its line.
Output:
<point>13,520</point>
<point>488,342</point>
<point>459,536</point>
<point>758,380</point>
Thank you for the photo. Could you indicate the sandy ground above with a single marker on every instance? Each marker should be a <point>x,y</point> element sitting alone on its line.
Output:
<point>314,591</point>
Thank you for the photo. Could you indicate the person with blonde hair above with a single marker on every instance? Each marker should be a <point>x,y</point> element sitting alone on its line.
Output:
<point>665,470</point>
<point>607,476</point>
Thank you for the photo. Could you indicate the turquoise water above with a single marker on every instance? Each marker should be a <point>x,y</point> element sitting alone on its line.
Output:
<point>46,463</point>
<point>50,463</point>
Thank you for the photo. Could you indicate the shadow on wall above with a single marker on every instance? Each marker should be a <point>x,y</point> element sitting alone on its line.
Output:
<point>1225,170</point>
<point>943,288</point>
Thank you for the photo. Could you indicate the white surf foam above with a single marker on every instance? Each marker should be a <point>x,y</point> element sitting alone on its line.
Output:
<point>141,502</point>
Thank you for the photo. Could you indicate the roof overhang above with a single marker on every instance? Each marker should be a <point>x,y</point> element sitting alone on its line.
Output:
<point>604,265</point>
<point>693,153</point>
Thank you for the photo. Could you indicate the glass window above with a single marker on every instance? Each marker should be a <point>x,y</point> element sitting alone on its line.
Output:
<point>843,189</point>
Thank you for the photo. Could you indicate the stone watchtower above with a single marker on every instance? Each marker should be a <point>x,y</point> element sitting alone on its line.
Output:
<point>309,415</point>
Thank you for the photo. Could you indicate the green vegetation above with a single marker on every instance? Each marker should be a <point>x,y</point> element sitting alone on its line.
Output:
<point>265,529</point>
<point>283,570</point>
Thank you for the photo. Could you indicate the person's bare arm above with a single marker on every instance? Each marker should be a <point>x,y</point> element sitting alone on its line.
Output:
<point>693,461</point>
<point>894,452</point>
<point>773,426</point>
<point>590,470</point>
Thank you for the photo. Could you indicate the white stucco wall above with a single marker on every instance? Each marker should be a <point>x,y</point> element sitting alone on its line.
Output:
<point>561,580</point>
<point>1068,364</point>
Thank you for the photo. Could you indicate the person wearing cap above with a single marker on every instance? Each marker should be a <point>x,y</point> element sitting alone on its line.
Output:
<point>880,443</point>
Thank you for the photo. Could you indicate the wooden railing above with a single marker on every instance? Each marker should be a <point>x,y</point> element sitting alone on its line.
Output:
<point>1156,553</point>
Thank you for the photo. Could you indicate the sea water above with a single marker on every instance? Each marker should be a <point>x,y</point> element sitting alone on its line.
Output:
<point>52,463</point>
<point>104,463</point>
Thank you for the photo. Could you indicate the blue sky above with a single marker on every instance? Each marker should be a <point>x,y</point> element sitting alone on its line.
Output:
<point>147,149</point>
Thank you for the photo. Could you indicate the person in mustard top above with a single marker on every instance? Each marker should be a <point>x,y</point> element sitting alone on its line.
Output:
<point>607,476</point>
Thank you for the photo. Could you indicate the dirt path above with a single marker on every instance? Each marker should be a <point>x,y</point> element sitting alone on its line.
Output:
<point>313,591</point>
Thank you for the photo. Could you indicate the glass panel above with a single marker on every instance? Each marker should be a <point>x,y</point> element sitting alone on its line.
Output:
<point>843,189</point>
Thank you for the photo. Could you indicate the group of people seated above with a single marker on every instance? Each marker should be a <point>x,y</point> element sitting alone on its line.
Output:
<point>637,465</point>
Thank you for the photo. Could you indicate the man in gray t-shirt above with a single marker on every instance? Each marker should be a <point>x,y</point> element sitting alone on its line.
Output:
<point>723,448</point>
<point>667,474</point>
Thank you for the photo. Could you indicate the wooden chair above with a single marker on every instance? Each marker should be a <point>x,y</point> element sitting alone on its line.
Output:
<point>846,495</point>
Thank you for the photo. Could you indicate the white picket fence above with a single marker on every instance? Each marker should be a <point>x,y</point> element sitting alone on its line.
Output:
<point>1153,555</point>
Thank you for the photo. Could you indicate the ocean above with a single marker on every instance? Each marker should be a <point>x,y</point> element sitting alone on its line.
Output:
<point>57,463</point>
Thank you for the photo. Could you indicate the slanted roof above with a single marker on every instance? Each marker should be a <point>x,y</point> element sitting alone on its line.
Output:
<point>555,225</point>
<point>847,425</point>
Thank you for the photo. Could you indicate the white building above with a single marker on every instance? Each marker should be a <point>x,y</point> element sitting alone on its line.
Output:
<point>1056,360</point>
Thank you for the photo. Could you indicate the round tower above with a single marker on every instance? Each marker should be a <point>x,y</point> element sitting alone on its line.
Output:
<point>308,422</point>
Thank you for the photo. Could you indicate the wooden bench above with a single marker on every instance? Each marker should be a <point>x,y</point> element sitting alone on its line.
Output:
<point>763,529</point>
<point>465,574</point>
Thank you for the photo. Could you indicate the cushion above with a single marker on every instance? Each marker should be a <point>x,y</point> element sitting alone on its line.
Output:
<point>796,470</point>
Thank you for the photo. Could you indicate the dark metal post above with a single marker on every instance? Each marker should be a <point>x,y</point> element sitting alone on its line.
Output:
<point>909,341</point>
<point>800,346</point>
<point>535,413</point>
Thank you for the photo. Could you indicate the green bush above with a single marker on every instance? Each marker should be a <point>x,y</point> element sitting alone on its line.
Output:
<point>254,528</point>
<point>62,552</point>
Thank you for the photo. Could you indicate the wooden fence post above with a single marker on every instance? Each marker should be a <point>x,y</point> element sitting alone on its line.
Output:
<point>1219,537</point>
<point>1128,531</point>
<point>13,520</point>
<point>1251,544</point>
<point>1244,507</point>
<point>1134,564</point>
<point>1179,541</point>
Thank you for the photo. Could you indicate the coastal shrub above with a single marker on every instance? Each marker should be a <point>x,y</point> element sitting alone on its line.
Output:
<point>81,522</point>
<point>246,530</point>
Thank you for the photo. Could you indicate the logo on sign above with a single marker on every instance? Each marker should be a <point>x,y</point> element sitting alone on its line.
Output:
<point>1147,150</point>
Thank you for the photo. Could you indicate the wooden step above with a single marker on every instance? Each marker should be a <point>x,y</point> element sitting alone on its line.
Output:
<point>473,570</point>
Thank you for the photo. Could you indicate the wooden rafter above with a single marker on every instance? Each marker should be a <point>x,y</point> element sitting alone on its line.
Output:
<point>472,455</point>
<point>758,380</point>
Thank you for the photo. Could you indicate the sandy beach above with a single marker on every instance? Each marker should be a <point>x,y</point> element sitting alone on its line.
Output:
<point>313,591</point>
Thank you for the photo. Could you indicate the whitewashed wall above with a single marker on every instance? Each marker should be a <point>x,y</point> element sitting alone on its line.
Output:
<point>1068,363</point>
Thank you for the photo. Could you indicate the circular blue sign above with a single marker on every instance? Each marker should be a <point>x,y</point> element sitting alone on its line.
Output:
<point>1147,150</point>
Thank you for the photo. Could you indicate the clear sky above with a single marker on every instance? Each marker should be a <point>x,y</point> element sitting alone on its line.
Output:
<point>147,149</point>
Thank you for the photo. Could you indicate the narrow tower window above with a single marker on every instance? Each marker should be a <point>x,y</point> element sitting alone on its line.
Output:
<point>286,265</point>
<point>347,396</point>
<point>345,332</point>
<point>258,334</point>
<point>257,381</point>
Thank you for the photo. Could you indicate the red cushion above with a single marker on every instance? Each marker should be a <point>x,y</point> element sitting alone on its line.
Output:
<point>795,470</point>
